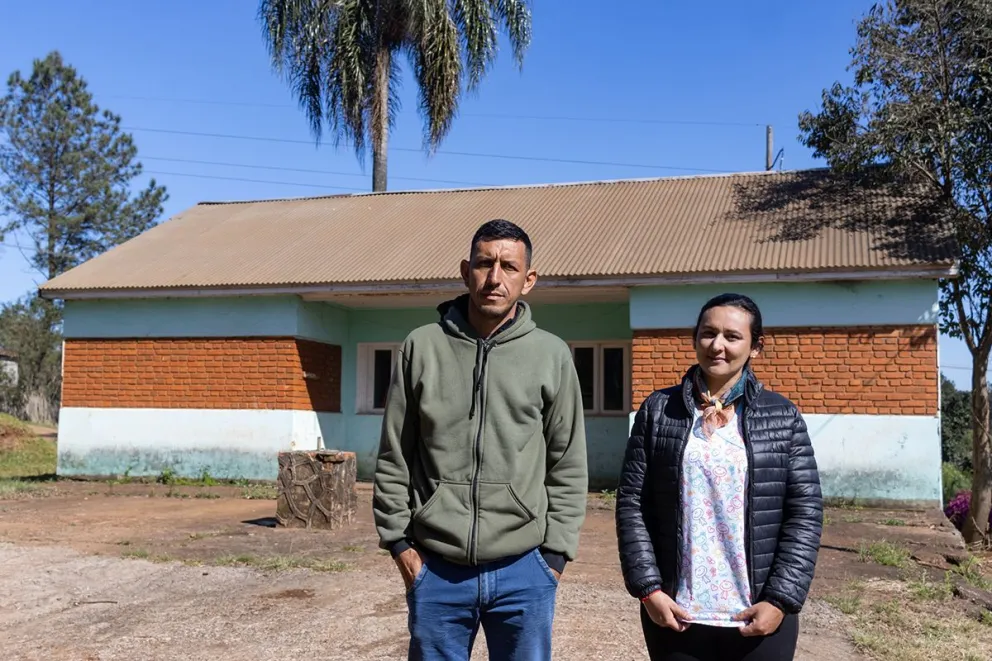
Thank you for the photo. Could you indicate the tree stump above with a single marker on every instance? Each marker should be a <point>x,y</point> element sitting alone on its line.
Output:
<point>317,489</point>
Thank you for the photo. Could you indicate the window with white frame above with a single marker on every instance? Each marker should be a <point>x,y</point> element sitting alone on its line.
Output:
<point>375,370</point>
<point>604,376</point>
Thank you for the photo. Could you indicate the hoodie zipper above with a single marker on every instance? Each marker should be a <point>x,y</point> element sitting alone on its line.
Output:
<point>480,393</point>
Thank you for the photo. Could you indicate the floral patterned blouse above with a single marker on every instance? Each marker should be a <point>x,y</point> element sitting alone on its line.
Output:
<point>713,583</point>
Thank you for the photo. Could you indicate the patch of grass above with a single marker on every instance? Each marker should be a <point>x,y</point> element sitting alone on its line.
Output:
<point>355,549</point>
<point>124,542</point>
<point>883,553</point>
<point>609,497</point>
<point>22,454</point>
<point>142,554</point>
<point>123,479</point>
<point>206,494</point>
<point>10,489</point>
<point>828,520</point>
<point>259,492</point>
<point>852,518</point>
<point>894,625</point>
<point>986,618</point>
<point>168,477</point>
<point>282,563</point>
<point>847,503</point>
<point>971,571</point>
<point>893,522</point>
<point>926,590</point>
<point>888,611</point>
<point>846,603</point>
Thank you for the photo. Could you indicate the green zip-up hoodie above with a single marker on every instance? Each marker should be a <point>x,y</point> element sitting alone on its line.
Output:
<point>483,449</point>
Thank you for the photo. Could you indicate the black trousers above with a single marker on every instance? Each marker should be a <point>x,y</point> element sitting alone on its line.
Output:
<point>705,643</point>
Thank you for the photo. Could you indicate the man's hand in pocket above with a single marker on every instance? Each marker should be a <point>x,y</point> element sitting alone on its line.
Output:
<point>409,563</point>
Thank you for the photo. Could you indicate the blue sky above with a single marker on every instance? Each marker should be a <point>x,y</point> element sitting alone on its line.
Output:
<point>680,87</point>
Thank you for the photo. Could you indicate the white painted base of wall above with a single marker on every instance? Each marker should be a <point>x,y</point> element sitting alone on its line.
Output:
<point>876,457</point>
<point>893,458</point>
<point>225,443</point>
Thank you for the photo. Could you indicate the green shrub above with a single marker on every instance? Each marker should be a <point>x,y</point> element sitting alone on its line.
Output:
<point>955,480</point>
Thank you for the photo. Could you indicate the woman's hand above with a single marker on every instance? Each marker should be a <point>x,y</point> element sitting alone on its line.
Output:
<point>664,612</point>
<point>762,618</point>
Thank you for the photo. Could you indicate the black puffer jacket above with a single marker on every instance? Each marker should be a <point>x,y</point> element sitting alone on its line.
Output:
<point>784,513</point>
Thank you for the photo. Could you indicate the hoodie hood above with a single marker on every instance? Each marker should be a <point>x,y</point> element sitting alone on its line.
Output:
<point>454,319</point>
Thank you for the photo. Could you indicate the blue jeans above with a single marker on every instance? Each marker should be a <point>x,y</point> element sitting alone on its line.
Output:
<point>513,599</point>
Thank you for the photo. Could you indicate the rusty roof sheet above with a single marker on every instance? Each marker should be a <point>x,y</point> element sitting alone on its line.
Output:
<point>765,223</point>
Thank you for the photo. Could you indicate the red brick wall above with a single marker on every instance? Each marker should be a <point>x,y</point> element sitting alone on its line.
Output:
<point>880,370</point>
<point>203,373</point>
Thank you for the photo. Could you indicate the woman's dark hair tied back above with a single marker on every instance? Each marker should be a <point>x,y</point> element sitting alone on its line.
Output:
<point>735,301</point>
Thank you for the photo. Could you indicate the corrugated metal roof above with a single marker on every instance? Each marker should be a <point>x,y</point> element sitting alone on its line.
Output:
<point>806,221</point>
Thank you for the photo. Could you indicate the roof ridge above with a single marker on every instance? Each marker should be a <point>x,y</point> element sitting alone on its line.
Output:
<point>475,189</point>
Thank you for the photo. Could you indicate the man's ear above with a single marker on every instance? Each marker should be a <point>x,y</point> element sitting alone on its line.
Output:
<point>465,267</point>
<point>530,282</point>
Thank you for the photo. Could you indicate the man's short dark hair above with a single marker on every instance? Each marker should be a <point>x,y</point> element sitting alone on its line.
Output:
<point>497,229</point>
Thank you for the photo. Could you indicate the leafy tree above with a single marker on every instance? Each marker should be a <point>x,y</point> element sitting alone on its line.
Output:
<point>919,111</point>
<point>66,179</point>
<point>955,425</point>
<point>66,170</point>
<point>341,59</point>
<point>31,328</point>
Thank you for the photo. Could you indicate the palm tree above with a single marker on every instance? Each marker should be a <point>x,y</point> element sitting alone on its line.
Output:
<point>340,57</point>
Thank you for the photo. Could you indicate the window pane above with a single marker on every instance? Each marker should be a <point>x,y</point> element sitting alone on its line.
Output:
<point>382,370</point>
<point>585,367</point>
<point>613,379</point>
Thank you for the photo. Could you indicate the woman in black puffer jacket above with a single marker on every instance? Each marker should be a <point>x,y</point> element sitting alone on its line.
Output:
<point>719,511</point>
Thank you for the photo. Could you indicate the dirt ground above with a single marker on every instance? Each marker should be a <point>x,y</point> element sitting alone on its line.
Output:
<point>98,572</point>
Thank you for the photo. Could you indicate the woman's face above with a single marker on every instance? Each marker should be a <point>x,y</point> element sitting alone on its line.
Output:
<point>723,342</point>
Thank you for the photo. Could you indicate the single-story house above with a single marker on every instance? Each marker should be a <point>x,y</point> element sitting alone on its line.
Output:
<point>236,330</point>
<point>9,372</point>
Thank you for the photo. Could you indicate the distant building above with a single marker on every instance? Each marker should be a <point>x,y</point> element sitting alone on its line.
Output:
<point>8,366</point>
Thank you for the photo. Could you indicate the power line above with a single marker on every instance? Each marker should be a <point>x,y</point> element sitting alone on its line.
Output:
<point>617,120</point>
<point>553,118</point>
<point>253,181</point>
<point>285,169</point>
<point>450,153</point>
<point>957,367</point>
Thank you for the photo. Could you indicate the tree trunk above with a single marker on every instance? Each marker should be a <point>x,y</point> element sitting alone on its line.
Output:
<point>316,489</point>
<point>380,119</point>
<point>976,524</point>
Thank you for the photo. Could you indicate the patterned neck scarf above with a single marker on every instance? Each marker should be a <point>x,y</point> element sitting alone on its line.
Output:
<point>718,409</point>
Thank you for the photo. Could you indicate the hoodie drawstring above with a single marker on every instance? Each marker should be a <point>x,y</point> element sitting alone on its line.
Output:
<point>476,378</point>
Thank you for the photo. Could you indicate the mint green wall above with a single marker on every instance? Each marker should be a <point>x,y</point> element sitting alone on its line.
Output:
<point>784,304</point>
<point>246,316</point>
<point>585,323</point>
<point>291,316</point>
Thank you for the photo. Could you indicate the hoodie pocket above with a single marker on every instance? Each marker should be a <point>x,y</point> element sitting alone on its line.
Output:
<point>507,526</point>
<point>442,524</point>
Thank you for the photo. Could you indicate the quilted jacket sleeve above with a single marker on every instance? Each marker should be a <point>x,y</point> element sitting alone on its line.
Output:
<point>633,519</point>
<point>802,524</point>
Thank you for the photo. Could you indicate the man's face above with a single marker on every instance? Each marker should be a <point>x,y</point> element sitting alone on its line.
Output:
<point>497,276</point>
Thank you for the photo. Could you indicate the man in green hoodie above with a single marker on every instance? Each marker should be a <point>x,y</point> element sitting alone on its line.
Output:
<point>481,480</point>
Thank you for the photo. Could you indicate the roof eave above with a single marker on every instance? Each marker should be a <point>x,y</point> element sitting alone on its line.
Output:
<point>928,271</point>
